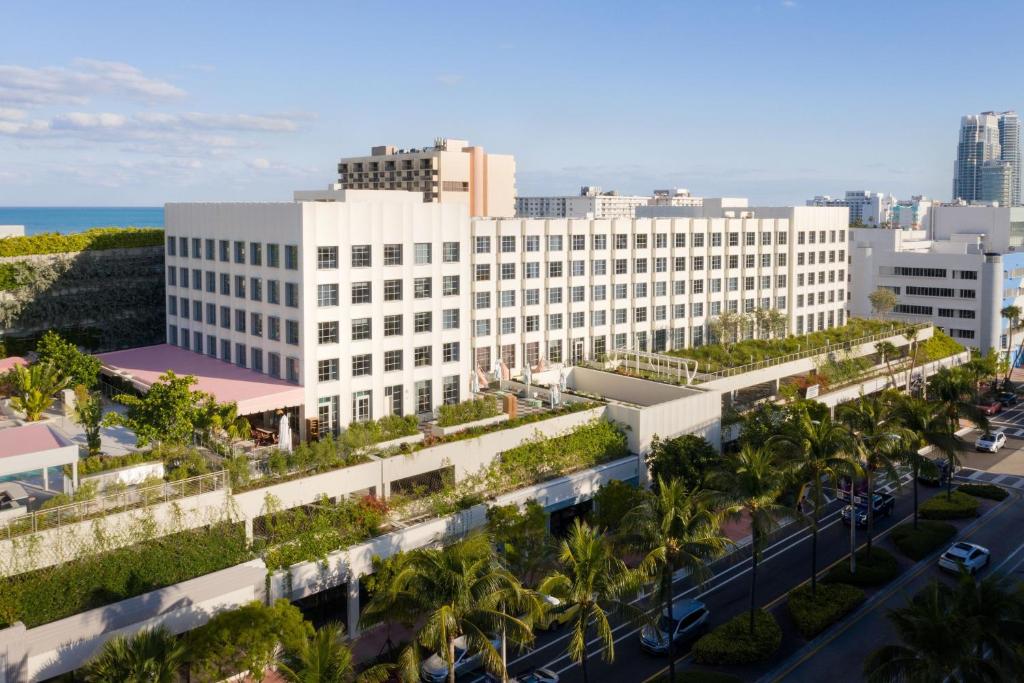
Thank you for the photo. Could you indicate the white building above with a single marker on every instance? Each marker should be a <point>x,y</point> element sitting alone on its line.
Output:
<point>592,202</point>
<point>1001,228</point>
<point>376,302</point>
<point>866,208</point>
<point>911,214</point>
<point>985,140</point>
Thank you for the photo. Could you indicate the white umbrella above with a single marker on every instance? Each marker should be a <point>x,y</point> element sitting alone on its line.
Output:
<point>527,377</point>
<point>284,435</point>
<point>474,381</point>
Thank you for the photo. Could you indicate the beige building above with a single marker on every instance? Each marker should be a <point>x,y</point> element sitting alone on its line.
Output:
<point>450,172</point>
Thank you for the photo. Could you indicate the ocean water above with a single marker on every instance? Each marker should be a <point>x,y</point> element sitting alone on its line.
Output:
<point>65,219</point>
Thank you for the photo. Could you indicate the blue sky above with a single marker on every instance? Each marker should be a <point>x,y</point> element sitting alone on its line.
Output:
<point>128,103</point>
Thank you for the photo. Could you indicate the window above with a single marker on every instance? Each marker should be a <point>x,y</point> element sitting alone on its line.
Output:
<point>361,293</point>
<point>621,266</point>
<point>273,255</point>
<point>240,286</point>
<point>483,300</point>
<point>508,244</point>
<point>423,322</point>
<point>450,352</point>
<point>256,259</point>
<point>211,281</point>
<point>531,323</point>
<point>327,370</point>
<point>362,364</point>
<point>326,333</point>
<point>621,316</point>
<point>291,329</point>
<point>239,252</point>
<point>554,243</point>
<point>225,284</point>
<point>679,287</point>
<point>508,271</point>
<point>531,297</point>
<point>361,329</point>
<point>291,257</point>
<point>393,399</point>
<point>555,321</point>
<point>422,288</point>
<point>554,295</point>
<point>578,268</point>
<point>698,240</point>
<point>620,291</point>
<point>274,364</point>
<point>239,320</point>
<point>326,295</point>
<point>450,319</point>
<point>450,252</point>
<point>913,310</point>
<point>483,272</point>
<point>554,269</point>
<point>225,317</point>
<point>291,369</point>
<point>224,251</point>
<point>326,258</point>
<point>172,305</point>
<point>600,242</point>
<point>392,325</point>
<point>532,270</point>
<point>640,241</point>
<point>256,289</point>
<point>256,324</point>
<point>599,293</point>
<point>679,240</point>
<point>507,298</point>
<point>482,328</point>
<point>424,396</point>
<point>640,265</point>
<point>240,355</point>
<point>698,263</point>
<point>392,290</point>
<point>748,261</point>
<point>598,318</point>
<point>450,285</point>
<point>211,314</point>
<point>423,253</point>
<point>291,294</point>
<point>361,256</point>
<point>578,319</point>
<point>578,293</point>
<point>532,242</point>
<point>640,290</point>
<point>197,279</point>
<point>392,361</point>
<point>483,245</point>
<point>422,356</point>
<point>508,325</point>
<point>392,254</point>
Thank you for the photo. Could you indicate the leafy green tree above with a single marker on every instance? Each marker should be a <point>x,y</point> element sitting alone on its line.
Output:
<point>81,368</point>
<point>594,581</point>
<point>677,528</point>
<point>89,413</point>
<point>752,481</point>
<point>34,387</point>
<point>924,424</point>
<point>613,501</point>
<point>326,658</point>
<point>887,350</point>
<point>820,452</point>
<point>882,301</point>
<point>149,656</point>
<point>247,639</point>
<point>522,539</point>
<point>167,413</point>
<point>687,458</point>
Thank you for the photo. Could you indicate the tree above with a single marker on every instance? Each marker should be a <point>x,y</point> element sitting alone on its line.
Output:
<point>459,590</point>
<point>389,604</point>
<point>612,502</point>
<point>593,580</point>
<point>882,301</point>
<point>778,322</point>
<point>34,387</point>
<point>522,539</point>
<point>325,658</point>
<point>89,413</point>
<point>80,368</point>
<point>687,458</point>
<point>912,347</point>
<point>821,452</point>
<point>753,480</point>
<point>149,656</point>
<point>875,441</point>
<point>676,528</point>
<point>249,638</point>
<point>167,413</point>
<point>951,389</point>
<point>923,425</point>
<point>887,350</point>
<point>992,613</point>
<point>981,367</point>
<point>1012,314</point>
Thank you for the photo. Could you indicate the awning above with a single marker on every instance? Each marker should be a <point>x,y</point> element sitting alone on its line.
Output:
<point>252,391</point>
<point>33,447</point>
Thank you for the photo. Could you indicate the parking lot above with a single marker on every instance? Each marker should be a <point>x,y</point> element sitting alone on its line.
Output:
<point>1005,467</point>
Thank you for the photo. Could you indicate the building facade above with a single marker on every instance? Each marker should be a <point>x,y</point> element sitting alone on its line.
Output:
<point>866,208</point>
<point>985,139</point>
<point>450,172</point>
<point>378,303</point>
<point>592,202</point>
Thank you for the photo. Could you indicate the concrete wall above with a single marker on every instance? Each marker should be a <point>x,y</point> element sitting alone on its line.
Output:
<point>850,393</point>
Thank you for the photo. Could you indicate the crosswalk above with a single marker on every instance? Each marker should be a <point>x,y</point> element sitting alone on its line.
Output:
<point>1012,481</point>
<point>1017,432</point>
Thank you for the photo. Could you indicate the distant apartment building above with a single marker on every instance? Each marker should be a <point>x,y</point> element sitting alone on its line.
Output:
<point>911,214</point>
<point>1000,228</point>
<point>987,166</point>
<point>592,202</point>
<point>450,172</point>
<point>866,208</point>
<point>377,303</point>
<point>954,282</point>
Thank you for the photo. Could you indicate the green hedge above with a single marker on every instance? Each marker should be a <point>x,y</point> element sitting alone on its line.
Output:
<point>957,506</point>
<point>96,239</point>
<point>103,463</point>
<point>990,491</point>
<point>467,411</point>
<point>732,642</point>
<point>813,614</point>
<point>939,345</point>
<point>361,434</point>
<point>878,569</point>
<point>920,543</point>
<point>54,593</point>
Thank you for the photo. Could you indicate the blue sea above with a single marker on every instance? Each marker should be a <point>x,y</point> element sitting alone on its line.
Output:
<point>65,219</point>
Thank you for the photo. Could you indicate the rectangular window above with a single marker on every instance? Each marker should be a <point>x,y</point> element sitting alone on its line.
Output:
<point>423,322</point>
<point>211,314</point>
<point>531,297</point>
<point>273,292</point>
<point>361,256</point>
<point>508,244</point>
<point>239,286</point>
<point>508,271</point>
<point>211,252</point>
<point>554,269</point>
<point>361,329</point>
<point>172,276</point>
<point>450,285</point>
<point>450,252</point>
<point>361,293</point>
<point>423,288</point>
<point>291,328</point>
<point>225,317</point>
<point>362,364</point>
<point>554,243</point>
<point>532,270</point>
<point>239,320</point>
<point>256,324</point>
<point>240,355</point>
<point>532,242</point>
<point>555,321</point>
<point>392,325</point>
<point>327,295</point>
<point>274,255</point>
<point>291,369</point>
<point>326,258</point>
<point>327,332</point>
<point>392,254</point>
<point>392,361</point>
<point>450,319</point>
<point>422,356</point>
<point>450,352</point>
<point>274,364</point>
<point>508,325</point>
<point>483,272</point>
<point>392,290</point>
<point>256,259</point>
<point>291,294</point>
<point>600,242</point>
<point>423,253</point>
<point>291,257</point>
<point>256,289</point>
<point>239,252</point>
<point>424,396</point>
<point>224,249</point>
<point>327,370</point>
<point>483,245</point>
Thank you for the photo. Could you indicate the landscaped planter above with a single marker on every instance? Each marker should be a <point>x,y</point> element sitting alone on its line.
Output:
<point>395,443</point>
<point>439,431</point>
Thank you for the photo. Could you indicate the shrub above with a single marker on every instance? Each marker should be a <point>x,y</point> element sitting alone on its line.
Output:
<point>957,506</point>
<point>104,463</point>
<point>95,239</point>
<point>813,614</point>
<point>613,501</point>
<point>939,345</point>
<point>990,491</point>
<point>732,642</point>
<point>878,569</point>
<point>467,411</point>
<point>918,544</point>
<point>365,434</point>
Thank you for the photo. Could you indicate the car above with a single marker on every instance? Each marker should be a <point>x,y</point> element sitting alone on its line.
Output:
<point>991,441</point>
<point>970,556</point>
<point>688,619</point>
<point>1008,399</point>
<point>435,669</point>
<point>539,675</point>
<point>990,407</point>
<point>884,506</point>
<point>556,613</point>
<point>934,472</point>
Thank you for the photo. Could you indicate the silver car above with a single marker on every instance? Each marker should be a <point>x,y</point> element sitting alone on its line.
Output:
<point>435,669</point>
<point>688,618</point>
<point>970,556</point>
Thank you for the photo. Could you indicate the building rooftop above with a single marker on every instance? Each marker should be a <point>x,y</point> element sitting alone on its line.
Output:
<point>27,439</point>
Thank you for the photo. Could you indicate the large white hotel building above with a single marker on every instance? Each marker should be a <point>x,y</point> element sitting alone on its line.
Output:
<point>376,302</point>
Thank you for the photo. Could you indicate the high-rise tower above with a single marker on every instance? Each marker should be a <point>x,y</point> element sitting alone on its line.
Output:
<point>988,154</point>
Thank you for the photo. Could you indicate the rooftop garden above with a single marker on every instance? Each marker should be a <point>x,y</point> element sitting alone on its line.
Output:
<point>450,415</point>
<point>95,239</point>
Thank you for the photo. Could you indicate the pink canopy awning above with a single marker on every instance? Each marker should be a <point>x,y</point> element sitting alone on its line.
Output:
<point>10,363</point>
<point>252,391</point>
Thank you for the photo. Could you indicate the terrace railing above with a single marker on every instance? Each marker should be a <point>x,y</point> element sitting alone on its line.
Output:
<point>110,503</point>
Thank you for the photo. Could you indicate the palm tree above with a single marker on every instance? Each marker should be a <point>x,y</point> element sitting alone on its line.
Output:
<point>824,452</point>
<point>924,424</point>
<point>875,439</point>
<point>34,387</point>
<point>460,590</point>
<point>1012,315</point>
<point>234,426</point>
<point>677,529</point>
<point>325,658</point>
<point>912,346</point>
<point>594,582</point>
<point>992,612</point>
<point>951,389</point>
<point>150,656</point>
<point>753,480</point>
<point>887,350</point>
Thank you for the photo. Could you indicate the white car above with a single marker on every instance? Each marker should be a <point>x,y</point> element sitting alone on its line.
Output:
<point>970,556</point>
<point>991,442</point>
<point>435,669</point>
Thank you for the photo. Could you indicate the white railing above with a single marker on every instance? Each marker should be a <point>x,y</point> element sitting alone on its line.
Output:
<point>667,366</point>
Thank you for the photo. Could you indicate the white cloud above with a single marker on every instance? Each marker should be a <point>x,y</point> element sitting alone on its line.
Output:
<point>259,164</point>
<point>789,4</point>
<point>451,80</point>
<point>77,84</point>
<point>11,114</point>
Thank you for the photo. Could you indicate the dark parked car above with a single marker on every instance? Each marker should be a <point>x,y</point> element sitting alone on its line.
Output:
<point>884,506</point>
<point>934,472</point>
<point>1008,399</point>
<point>990,407</point>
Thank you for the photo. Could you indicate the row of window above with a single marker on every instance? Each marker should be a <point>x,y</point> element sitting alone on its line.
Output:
<point>508,244</point>
<point>233,319</point>
<point>242,287</point>
<point>239,354</point>
<point>237,251</point>
<point>392,255</point>
<point>394,326</point>
<point>532,269</point>
<point>362,402</point>
<point>328,370</point>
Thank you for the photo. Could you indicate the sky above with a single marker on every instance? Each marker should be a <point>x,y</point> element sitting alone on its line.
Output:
<point>107,103</point>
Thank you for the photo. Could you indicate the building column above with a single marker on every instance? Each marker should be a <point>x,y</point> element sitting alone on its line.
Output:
<point>46,479</point>
<point>248,530</point>
<point>74,476</point>
<point>352,615</point>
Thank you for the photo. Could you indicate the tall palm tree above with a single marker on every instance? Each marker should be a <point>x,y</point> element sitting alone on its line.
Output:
<point>325,658</point>
<point>820,452</point>
<point>676,528</point>
<point>594,581</point>
<point>887,350</point>
<point>875,439</point>
<point>924,424</point>
<point>460,590</point>
<point>1012,315</point>
<point>34,387</point>
<point>951,389</point>
<point>752,480</point>
<point>150,656</point>
<point>992,611</point>
<point>910,334</point>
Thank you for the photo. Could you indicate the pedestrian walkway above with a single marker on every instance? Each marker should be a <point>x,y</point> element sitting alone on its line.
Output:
<point>1012,481</point>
